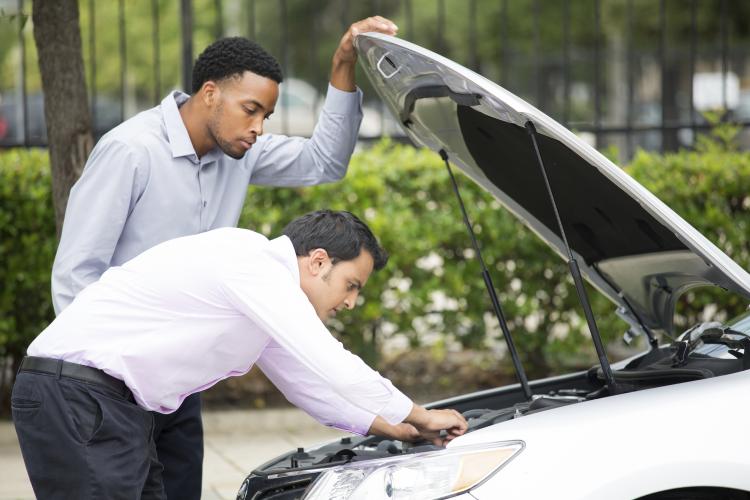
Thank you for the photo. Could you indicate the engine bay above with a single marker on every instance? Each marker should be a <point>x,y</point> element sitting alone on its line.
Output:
<point>287,476</point>
<point>352,449</point>
<point>704,351</point>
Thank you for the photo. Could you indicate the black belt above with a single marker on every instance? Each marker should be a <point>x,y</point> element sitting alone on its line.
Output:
<point>75,371</point>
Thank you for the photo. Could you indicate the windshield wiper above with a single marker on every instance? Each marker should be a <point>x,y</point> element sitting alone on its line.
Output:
<point>575,271</point>
<point>711,332</point>
<point>520,373</point>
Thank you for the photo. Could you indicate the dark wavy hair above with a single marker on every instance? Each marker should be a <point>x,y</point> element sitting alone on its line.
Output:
<point>341,234</point>
<point>232,56</point>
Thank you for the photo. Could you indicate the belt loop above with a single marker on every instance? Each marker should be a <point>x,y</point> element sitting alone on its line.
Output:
<point>59,369</point>
<point>20,365</point>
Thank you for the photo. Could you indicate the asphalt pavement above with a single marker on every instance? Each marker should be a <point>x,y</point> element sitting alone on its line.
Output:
<point>236,441</point>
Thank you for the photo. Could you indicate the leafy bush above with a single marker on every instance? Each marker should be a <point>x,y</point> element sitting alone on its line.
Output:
<point>27,249</point>
<point>710,188</point>
<point>431,294</point>
<point>432,290</point>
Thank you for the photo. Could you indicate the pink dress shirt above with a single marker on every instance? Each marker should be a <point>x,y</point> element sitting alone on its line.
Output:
<point>192,311</point>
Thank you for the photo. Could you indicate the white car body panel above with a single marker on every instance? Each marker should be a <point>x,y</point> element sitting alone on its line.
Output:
<point>630,445</point>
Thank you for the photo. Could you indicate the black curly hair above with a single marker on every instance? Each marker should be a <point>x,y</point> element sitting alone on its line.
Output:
<point>233,56</point>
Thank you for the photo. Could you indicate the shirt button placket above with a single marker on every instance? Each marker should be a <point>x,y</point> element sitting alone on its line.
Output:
<point>204,216</point>
<point>201,202</point>
<point>208,175</point>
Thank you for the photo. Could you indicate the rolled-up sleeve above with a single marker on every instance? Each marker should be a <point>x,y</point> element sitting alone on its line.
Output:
<point>304,389</point>
<point>98,206</point>
<point>279,160</point>
<point>269,297</point>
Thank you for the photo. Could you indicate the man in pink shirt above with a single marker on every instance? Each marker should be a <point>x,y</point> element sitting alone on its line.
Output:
<point>183,315</point>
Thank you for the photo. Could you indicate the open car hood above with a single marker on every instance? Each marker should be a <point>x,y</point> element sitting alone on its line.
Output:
<point>628,243</point>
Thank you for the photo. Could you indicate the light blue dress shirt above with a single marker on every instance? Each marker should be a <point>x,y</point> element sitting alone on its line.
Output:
<point>144,184</point>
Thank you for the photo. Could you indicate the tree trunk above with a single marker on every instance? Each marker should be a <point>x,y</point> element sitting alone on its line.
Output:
<point>66,109</point>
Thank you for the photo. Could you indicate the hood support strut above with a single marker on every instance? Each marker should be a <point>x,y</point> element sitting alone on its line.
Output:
<point>520,373</point>
<point>575,271</point>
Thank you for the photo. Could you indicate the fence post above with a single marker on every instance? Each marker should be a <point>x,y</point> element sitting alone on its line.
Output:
<point>186,19</point>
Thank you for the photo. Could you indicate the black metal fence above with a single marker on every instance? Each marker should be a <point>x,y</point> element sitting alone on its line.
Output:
<point>624,73</point>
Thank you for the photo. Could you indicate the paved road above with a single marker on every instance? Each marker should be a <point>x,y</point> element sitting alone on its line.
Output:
<point>236,442</point>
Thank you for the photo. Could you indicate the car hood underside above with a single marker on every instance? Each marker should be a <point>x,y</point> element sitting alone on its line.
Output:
<point>629,244</point>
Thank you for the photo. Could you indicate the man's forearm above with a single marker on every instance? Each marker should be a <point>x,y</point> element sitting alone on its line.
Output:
<point>417,417</point>
<point>342,74</point>
<point>401,432</point>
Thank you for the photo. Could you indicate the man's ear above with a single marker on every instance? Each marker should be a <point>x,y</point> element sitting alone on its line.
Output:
<point>210,93</point>
<point>317,261</point>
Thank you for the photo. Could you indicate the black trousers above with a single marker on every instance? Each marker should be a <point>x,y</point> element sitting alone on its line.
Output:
<point>84,440</point>
<point>179,446</point>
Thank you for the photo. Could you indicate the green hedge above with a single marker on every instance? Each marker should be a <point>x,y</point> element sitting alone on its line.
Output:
<point>27,249</point>
<point>710,188</point>
<point>406,197</point>
<point>431,293</point>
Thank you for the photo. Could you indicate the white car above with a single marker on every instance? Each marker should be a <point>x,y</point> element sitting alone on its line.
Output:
<point>666,424</point>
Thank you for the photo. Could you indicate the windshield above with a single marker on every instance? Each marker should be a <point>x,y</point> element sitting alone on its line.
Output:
<point>740,323</point>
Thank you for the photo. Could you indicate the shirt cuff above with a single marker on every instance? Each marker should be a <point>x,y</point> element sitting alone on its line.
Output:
<point>360,425</point>
<point>397,409</point>
<point>341,102</point>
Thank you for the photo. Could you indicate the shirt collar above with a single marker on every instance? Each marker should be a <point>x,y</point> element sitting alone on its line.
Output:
<point>179,140</point>
<point>283,250</point>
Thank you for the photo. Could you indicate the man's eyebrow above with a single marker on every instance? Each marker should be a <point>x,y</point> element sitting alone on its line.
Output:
<point>253,101</point>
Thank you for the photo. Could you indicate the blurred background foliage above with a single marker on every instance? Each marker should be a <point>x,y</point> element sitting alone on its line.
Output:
<point>616,50</point>
<point>469,32</point>
<point>430,299</point>
<point>28,241</point>
<point>425,319</point>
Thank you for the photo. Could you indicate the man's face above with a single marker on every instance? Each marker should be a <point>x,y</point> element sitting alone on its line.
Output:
<point>334,287</point>
<point>238,112</point>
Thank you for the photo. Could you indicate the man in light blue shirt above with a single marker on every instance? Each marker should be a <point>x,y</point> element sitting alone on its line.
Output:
<point>183,168</point>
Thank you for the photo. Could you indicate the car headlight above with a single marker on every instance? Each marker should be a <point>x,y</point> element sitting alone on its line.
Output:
<point>430,475</point>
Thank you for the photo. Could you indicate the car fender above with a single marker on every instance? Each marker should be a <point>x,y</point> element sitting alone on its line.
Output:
<point>627,445</point>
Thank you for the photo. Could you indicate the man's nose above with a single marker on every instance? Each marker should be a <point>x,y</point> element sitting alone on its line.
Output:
<point>351,300</point>
<point>257,127</point>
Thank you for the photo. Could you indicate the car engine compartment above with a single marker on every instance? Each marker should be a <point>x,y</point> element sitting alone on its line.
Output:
<point>287,476</point>
<point>704,351</point>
